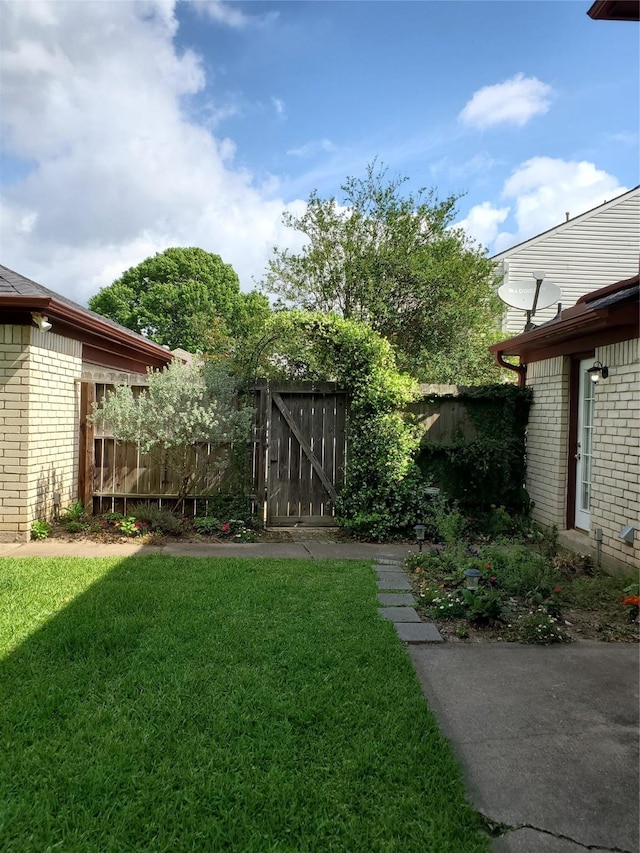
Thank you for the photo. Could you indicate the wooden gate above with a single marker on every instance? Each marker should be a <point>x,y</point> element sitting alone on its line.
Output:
<point>300,451</point>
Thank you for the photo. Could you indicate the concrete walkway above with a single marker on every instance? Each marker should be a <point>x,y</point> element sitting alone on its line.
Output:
<point>547,736</point>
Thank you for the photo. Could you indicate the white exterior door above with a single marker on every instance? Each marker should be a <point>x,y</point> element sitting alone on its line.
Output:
<point>586,395</point>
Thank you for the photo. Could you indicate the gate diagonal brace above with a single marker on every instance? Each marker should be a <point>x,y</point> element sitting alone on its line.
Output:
<point>304,444</point>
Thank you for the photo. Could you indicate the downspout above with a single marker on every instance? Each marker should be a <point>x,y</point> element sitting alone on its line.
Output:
<point>520,369</point>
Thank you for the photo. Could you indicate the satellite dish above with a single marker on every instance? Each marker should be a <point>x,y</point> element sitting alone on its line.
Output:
<point>522,294</point>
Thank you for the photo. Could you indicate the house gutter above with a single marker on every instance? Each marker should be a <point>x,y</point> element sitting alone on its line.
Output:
<point>520,369</point>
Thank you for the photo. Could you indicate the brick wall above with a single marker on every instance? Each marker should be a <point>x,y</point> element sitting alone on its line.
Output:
<point>14,432</point>
<point>615,497</point>
<point>547,439</point>
<point>39,410</point>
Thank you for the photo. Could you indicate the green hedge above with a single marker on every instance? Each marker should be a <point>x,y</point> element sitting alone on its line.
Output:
<point>488,468</point>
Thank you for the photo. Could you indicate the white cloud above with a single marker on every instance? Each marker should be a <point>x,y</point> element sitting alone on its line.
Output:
<point>310,149</point>
<point>279,107</point>
<point>229,14</point>
<point>92,94</point>
<point>514,101</point>
<point>544,189</point>
<point>483,221</point>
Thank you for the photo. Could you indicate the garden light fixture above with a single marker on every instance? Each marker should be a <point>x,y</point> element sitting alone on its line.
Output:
<point>472,578</point>
<point>41,322</point>
<point>598,371</point>
<point>420,531</point>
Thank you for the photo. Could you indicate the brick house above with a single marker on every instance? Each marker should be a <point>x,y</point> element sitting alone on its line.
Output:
<point>583,439</point>
<point>52,352</point>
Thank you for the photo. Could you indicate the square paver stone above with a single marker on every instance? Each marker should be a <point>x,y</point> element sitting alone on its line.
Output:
<point>396,599</point>
<point>399,614</point>
<point>398,582</point>
<point>418,632</point>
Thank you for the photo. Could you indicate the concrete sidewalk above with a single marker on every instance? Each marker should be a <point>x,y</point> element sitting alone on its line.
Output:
<point>307,549</point>
<point>547,736</point>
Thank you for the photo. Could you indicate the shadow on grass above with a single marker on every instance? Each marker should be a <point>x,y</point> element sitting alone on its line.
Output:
<point>193,704</point>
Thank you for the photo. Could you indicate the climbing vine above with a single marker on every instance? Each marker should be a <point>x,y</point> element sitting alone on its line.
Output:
<point>489,467</point>
<point>384,489</point>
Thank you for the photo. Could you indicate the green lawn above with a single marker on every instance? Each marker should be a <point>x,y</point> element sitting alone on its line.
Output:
<point>161,704</point>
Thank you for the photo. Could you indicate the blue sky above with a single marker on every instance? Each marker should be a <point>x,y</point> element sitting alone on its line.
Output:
<point>128,127</point>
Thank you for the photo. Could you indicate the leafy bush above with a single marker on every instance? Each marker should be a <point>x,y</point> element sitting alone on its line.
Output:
<point>159,520</point>
<point>75,512</point>
<point>539,628</point>
<point>519,570</point>
<point>78,526</point>
<point>40,529</point>
<point>224,505</point>
<point>487,468</point>
<point>206,526</point>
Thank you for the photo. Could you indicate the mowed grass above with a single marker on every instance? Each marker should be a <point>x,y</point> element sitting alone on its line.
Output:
<point>174,704</point>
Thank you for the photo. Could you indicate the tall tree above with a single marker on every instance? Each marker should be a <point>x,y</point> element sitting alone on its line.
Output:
<point>184,297</point>
<point>394,261</point>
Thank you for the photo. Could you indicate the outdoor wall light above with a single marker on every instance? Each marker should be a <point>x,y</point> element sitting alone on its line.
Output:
<point>472,578</point>
<point>41,322</point>
<point>420,531</point>
<point>598,371</point>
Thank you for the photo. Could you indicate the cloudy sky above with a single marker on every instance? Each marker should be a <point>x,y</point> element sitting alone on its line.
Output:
<point>128,127</point>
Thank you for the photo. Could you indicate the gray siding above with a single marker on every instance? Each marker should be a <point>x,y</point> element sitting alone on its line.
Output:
<point>595,249</point>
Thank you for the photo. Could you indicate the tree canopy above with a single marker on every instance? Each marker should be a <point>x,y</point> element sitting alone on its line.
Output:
<point>394,261</point>
<point>184,297</point>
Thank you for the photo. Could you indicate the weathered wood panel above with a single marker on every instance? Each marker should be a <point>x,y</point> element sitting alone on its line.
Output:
<point>306,452</point>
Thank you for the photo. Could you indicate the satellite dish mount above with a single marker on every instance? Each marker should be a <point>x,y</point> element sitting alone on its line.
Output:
<point>528,298</point>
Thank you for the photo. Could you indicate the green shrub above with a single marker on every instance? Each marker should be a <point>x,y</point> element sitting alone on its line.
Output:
<point>157,519</point>
<point>40,529</point>
<point>206,526</point>
<point>78,526</point>
<point>539,628</point>
<point>519,570</point>
<point>75,512</point>
<point>235,505</point>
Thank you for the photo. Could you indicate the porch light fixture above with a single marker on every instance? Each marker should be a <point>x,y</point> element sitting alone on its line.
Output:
<point>420,531</point>
<point>472,578</point>
<point>598,371</point>
<point>41,321</point>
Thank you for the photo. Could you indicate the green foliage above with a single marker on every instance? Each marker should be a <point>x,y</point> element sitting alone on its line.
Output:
<point>75,512</point>
<point>520,570</point>
<point>157,519</point>
<point>206,526</point>
<point>128,526</point>
<point>184,297</point>
<point>482,605</point>
<point>40,529</point>
<point>391,260</point>
<point>539,628</point>
<point>487,469</point>
<point>183,407</point>
<point>74,526</point>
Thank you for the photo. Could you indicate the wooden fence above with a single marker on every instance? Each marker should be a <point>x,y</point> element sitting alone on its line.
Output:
<point>295,462</point>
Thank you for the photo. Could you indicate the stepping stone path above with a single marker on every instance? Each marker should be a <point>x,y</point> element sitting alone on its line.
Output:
<point>399,606</point>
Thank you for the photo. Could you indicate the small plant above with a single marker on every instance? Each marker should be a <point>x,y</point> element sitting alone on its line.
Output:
<point>128,526</point>
<point>206,526</point>
<point>112,517</point>
<point>40,529</point>
<point>551,603</point>
<point>539,628</point>
<point>78,526</point>
<point>75,512</point>
<point>159,520</point>
<point>482,605</point>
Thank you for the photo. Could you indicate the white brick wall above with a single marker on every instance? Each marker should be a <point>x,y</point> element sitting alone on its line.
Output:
<point>615,493</point>
<point>547,439</point>
<point>39,416</point>
<point>615,500</point>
